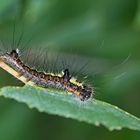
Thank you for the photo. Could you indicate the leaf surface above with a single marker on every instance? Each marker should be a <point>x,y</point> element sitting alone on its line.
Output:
<point>93,111</point>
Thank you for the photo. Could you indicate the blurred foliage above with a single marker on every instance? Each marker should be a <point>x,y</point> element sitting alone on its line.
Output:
<point>106,32</point>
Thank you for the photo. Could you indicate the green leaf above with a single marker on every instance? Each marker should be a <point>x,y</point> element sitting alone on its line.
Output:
<point>52,102</point>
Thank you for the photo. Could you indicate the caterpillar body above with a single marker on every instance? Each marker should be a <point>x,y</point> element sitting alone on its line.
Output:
<point>12,63</point>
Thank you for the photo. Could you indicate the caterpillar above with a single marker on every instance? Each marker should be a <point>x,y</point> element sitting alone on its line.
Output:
<point>12,63</point>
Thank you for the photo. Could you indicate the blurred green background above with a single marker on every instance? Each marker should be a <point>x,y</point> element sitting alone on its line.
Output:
<point>105,32</point>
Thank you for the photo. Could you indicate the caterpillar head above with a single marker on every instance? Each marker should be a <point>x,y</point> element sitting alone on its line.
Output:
<point>85,93</point>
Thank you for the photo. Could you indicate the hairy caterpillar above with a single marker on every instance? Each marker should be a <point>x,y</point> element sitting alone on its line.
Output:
<point>12,63</point>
